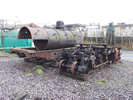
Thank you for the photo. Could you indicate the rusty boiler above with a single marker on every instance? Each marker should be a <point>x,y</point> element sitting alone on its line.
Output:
<point>47,39</point>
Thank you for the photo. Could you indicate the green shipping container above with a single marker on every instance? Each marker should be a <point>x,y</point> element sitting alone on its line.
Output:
<point>9,39</point>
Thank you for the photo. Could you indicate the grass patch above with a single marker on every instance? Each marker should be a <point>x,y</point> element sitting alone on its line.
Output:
<point>39,71</point>
<point>102,81</point>
<point>124,66</point>
<point>108,74</point>
<point>38,67</point>
<point>88,84</point>
<point>29,74</point>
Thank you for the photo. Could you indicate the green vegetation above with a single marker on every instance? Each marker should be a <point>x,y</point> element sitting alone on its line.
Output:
<point>29,74</point>
<point>88,84</point>
<point>125,46</point>
<point>3,81</point>
<point>102,81</point>
<point>39,71</point>
<point>110,70</point>
<point>38,67</point>
<point>124,66</point>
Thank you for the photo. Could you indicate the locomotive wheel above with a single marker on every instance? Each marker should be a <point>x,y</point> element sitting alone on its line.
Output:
<point>116,55</point>
<point>74,67</point>
<point>61,67</point>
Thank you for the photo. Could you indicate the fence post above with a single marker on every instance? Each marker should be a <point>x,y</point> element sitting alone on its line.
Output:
<point>129,35</point>
<point>96,36</point>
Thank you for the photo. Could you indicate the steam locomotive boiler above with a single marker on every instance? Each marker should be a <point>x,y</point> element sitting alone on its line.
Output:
<point>48,39</point>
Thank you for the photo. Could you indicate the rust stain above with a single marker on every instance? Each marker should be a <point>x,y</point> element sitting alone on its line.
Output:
<point>60,64</point>
<point>73,65</point>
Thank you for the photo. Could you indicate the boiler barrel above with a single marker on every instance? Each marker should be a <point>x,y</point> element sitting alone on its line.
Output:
<point>50,38</point>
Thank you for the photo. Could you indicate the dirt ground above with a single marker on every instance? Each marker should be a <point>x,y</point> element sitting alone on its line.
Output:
<point>114,82</point>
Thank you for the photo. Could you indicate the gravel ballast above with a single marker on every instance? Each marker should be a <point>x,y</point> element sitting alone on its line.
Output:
<point>114,82</point>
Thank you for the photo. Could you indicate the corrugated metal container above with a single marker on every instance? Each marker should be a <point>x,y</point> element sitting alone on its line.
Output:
<point>123,31</point>
<point>9,39</point>
<point>95,32</point>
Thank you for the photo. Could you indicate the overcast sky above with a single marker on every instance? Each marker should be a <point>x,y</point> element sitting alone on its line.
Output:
<point>69,11</point>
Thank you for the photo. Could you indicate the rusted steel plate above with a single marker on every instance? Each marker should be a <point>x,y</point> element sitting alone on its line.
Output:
<point>32,33</point>
<point>49,55</point>
<point>50,38</point>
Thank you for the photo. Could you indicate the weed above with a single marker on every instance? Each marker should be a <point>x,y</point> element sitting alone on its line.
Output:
<point>29,74</point>
<point>88,84</point>
<point>100,83</point>
<point>107,74</point>
<point>103,80</point>
<point>38,67</point>
<point>3,81</point>
<point>39,71</point>
<point>123,66</point>
<point>30,64</point>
